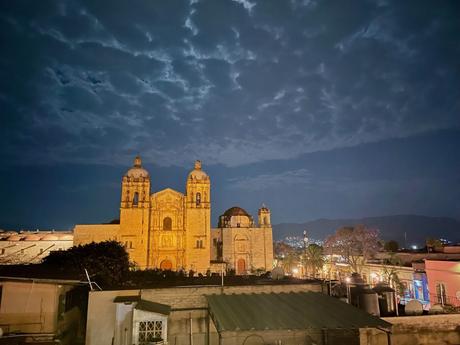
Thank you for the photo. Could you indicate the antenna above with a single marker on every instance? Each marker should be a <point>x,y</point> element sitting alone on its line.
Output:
<point>90,282</point>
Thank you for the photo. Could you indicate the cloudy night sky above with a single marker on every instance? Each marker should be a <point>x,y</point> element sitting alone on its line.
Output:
<point>320,109</point>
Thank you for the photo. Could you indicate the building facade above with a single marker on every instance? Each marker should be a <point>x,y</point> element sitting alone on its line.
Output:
<point>241,243</point>
<point>172,230</point>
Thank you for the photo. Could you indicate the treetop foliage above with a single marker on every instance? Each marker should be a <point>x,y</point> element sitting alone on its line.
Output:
<point>106,262</point>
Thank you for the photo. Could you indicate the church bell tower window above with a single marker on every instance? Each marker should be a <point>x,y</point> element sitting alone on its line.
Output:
<point>198,199</point>
<point>136,199</point>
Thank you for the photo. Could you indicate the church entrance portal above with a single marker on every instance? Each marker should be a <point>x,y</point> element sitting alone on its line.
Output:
<point>166,265</point>
<point>241,267</point>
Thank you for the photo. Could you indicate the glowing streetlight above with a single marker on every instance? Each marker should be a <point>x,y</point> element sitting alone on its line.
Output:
<point>348,280</point>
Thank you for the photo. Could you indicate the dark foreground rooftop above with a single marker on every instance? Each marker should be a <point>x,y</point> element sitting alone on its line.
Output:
<point>282,311</point>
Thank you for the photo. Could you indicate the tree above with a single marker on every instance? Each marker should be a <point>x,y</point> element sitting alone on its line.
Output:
<point>432,244</point>
<point>290,261</point>
<point>390,274</point>
<point>107,262</point>
<point>354,244</point>
<point>313,259</point>
<point>391,246</point>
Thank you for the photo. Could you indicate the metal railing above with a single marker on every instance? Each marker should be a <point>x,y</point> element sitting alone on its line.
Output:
<point>444,300</point>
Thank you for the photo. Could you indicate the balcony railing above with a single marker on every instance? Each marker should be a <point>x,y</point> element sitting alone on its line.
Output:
<point>444,300</point>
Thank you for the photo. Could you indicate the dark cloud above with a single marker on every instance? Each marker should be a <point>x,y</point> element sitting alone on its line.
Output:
<point>231,82</point>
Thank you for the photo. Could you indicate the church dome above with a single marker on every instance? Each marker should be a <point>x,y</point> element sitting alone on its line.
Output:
<point>137,171</point>
<point>235,217</point>
<point>236,211</point>
<point>197,173</point>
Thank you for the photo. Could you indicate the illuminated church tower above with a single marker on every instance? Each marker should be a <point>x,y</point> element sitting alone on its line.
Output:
<point>134,212</point>
<point>264,217</point>
<point>198,220</point>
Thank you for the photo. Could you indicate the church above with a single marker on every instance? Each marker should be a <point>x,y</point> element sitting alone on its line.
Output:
<point>172,231</point>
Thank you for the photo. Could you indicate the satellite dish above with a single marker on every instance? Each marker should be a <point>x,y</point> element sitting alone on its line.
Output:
<point>413,307</point>
<point>277,273</point>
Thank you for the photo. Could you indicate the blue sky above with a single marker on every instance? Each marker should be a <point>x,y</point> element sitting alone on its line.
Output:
<point>317,108</point>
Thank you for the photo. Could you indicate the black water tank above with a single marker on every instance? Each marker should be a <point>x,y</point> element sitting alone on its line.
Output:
<point>387,301</point>
<point>368,301</point>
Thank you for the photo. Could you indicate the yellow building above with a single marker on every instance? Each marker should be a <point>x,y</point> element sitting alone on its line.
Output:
<point>244,245</point>
<point>171,230</point>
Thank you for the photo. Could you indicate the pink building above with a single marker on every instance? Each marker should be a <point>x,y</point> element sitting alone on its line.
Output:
<point>443,281</point>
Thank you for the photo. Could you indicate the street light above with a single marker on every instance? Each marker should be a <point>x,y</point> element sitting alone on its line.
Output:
<point>347,281</point>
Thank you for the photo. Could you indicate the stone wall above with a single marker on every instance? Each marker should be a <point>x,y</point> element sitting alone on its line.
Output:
<point>420,330</point>
<point>87,233</point>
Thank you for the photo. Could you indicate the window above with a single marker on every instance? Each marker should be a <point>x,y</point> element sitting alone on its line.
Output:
<point>167,223</point>
<point>136,199</point>
<point>198,199</point>
<point>199,243</point>
<point>441,293</point>
<point>150,331</point>
<point>3,251</point>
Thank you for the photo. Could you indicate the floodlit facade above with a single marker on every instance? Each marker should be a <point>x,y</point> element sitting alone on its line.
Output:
<point>171,230</point>
<point>241,243</point>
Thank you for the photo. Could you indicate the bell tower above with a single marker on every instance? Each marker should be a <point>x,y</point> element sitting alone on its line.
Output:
<point>134,212</point>
<point>198,220</point>
<point>264,217</point>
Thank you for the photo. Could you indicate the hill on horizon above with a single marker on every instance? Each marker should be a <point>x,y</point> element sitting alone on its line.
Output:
<point>417,228</point>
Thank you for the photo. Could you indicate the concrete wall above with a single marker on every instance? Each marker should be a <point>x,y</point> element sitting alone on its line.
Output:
<point>30,307</point>
<point>291,337</point>
<point>186,302</point>
<point>420,330</point>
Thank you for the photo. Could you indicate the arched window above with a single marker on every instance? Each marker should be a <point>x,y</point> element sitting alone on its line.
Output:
<point>136,199</point>
<point>167,223</point>
<point>198,199</point>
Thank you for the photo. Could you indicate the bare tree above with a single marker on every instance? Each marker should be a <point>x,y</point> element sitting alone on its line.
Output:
<point>354,244</point>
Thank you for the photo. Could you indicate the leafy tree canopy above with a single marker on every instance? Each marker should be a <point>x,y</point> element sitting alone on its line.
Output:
<point>107,262</point>
<point>391,246</point>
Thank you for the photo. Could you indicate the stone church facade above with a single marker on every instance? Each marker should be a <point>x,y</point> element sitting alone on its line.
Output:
<point>172,230</point>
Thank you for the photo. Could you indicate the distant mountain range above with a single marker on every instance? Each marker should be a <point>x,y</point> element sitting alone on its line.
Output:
<point>417,228</point>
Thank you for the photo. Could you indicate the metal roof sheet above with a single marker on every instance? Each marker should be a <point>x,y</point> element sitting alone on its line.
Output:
<point>294,310</point>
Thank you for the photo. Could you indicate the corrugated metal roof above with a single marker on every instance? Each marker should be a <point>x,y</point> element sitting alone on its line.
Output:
<point>294,310</point>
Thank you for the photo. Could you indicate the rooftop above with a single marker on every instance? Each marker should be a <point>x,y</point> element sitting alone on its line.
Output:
<point>294,310</point>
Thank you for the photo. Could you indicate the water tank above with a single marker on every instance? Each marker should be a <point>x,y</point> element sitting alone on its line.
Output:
<point>413,307</point>
<point>368,301</point>
<point>386,296</point>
